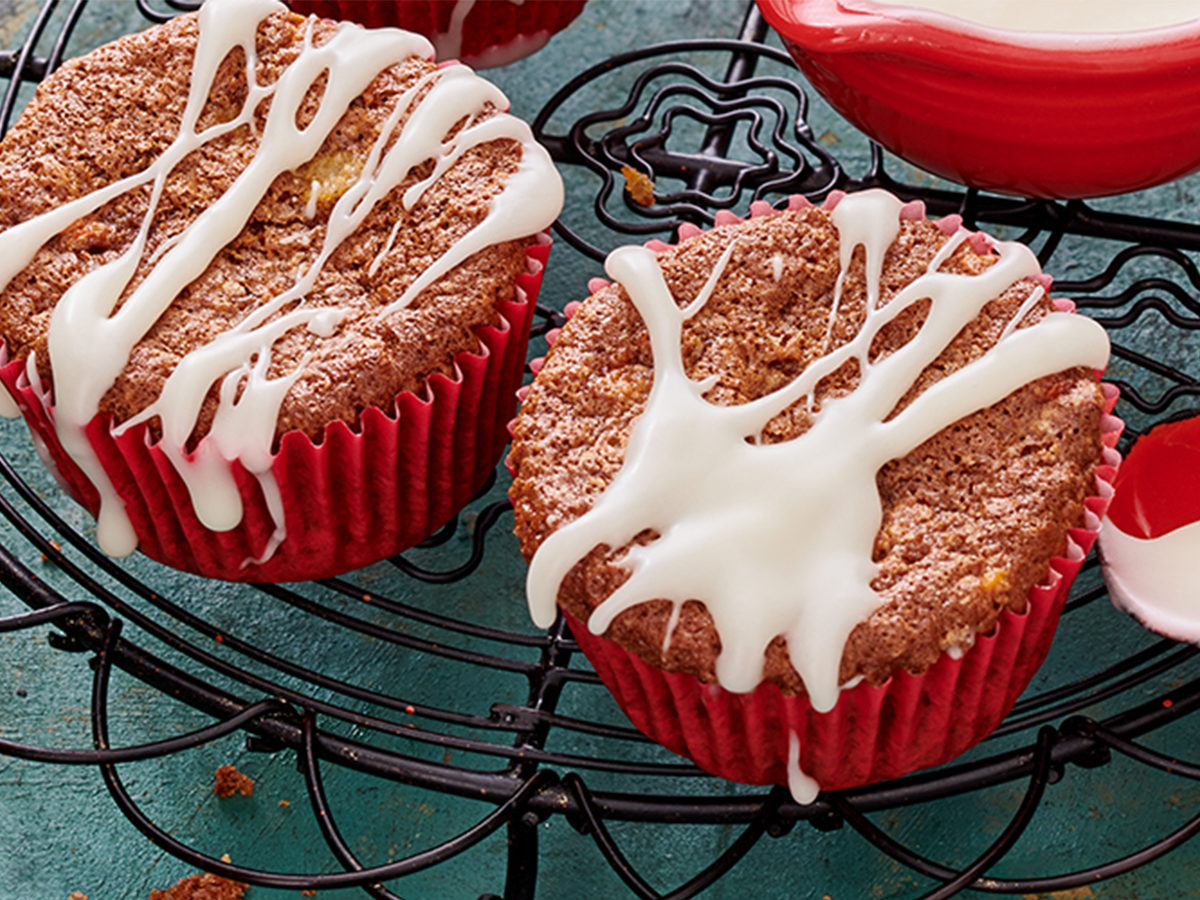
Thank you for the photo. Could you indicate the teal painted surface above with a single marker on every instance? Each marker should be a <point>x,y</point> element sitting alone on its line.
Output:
<point>59,831</point>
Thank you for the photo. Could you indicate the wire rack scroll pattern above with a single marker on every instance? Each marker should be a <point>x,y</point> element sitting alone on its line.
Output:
<point>527,749</point>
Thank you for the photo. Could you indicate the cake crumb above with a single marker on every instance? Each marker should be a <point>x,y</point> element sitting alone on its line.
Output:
<point>230,781</point>
<point>204,886</point>
<point>309,893</point>
<point>639,186</point>
<point>78,895</point>
<point>285,803</point>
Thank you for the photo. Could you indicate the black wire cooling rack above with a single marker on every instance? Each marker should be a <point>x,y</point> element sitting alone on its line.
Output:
<point>531,751</point>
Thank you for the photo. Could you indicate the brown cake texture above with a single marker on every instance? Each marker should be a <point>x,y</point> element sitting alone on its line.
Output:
<point>971,518</point>
<point>111,113</point>
<point>203,886</point>
<point>228,781</point>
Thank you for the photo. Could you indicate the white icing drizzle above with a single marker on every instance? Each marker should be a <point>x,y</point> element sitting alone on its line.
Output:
<point>387,248</point>
<point>1034,297</point>
<point>803,787</point>
<point>777,539</point>
<point>1154,579</point>
<point>1066,16</point>
<point>90,343</point>
<point>310,208</point>
<point>777,266</point>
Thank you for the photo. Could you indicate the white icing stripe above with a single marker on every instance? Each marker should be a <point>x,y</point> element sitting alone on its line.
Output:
<point>1021,313</point>
<point>777,539</point>
<point>310,208</point>
<point>802,786</point>
<point>90,344</point>
<point>1154,579</point>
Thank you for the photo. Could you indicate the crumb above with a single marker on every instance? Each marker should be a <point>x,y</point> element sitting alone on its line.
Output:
<point>285,803</point>
<point>639,185</point>
<point>226,858</point>
<point>308,893</point>
<point>230,781</point>
<point>77,895</point>
<point>205,886</point>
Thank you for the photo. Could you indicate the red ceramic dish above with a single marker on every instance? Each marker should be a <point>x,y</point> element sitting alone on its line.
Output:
<point>1158,486</point>
<point>1033,113</point>
<point>1149,538</point>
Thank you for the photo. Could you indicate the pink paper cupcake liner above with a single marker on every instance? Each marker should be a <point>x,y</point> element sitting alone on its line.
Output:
<point>352,498</point>
<point>910,722</point>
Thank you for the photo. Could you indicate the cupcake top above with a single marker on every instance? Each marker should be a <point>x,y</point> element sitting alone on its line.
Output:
<point>808,448</point>
<point>243,223</point>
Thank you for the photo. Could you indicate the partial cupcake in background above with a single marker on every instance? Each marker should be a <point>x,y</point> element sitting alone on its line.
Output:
<point>1150,539</point>
<point>269,332</point>
<point>481,33</point>
<point>811,487</point>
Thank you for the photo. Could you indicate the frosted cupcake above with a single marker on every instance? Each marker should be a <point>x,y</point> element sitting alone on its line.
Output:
<point>265,287</point>
<point>811,487</point>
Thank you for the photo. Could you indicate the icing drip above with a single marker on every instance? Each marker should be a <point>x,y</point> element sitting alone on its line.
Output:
<point>90,344</point>
<point>777,539</point>
<point>1069,16</point>
<point>803,787</point>
<point>1154,579</point>
<point>310,208</point>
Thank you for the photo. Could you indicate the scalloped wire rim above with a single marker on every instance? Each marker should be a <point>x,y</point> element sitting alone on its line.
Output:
<point>527,790</point>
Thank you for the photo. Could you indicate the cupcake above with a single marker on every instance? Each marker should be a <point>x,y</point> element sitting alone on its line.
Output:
<point>1151,535</point>
<point>266,286</point>
<point>810,487</point>
<point>480,33</point>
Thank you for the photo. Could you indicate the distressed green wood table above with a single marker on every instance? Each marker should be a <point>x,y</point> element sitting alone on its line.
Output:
<point>394,662</point>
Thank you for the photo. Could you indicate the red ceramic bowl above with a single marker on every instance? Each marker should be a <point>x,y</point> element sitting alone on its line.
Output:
<point>1032,113</point>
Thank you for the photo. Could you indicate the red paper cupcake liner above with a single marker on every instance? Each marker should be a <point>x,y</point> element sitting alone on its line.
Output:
<point>352,498</point>
<point>910,722</point>
<point>872,733</point>
<point>488,29</point>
